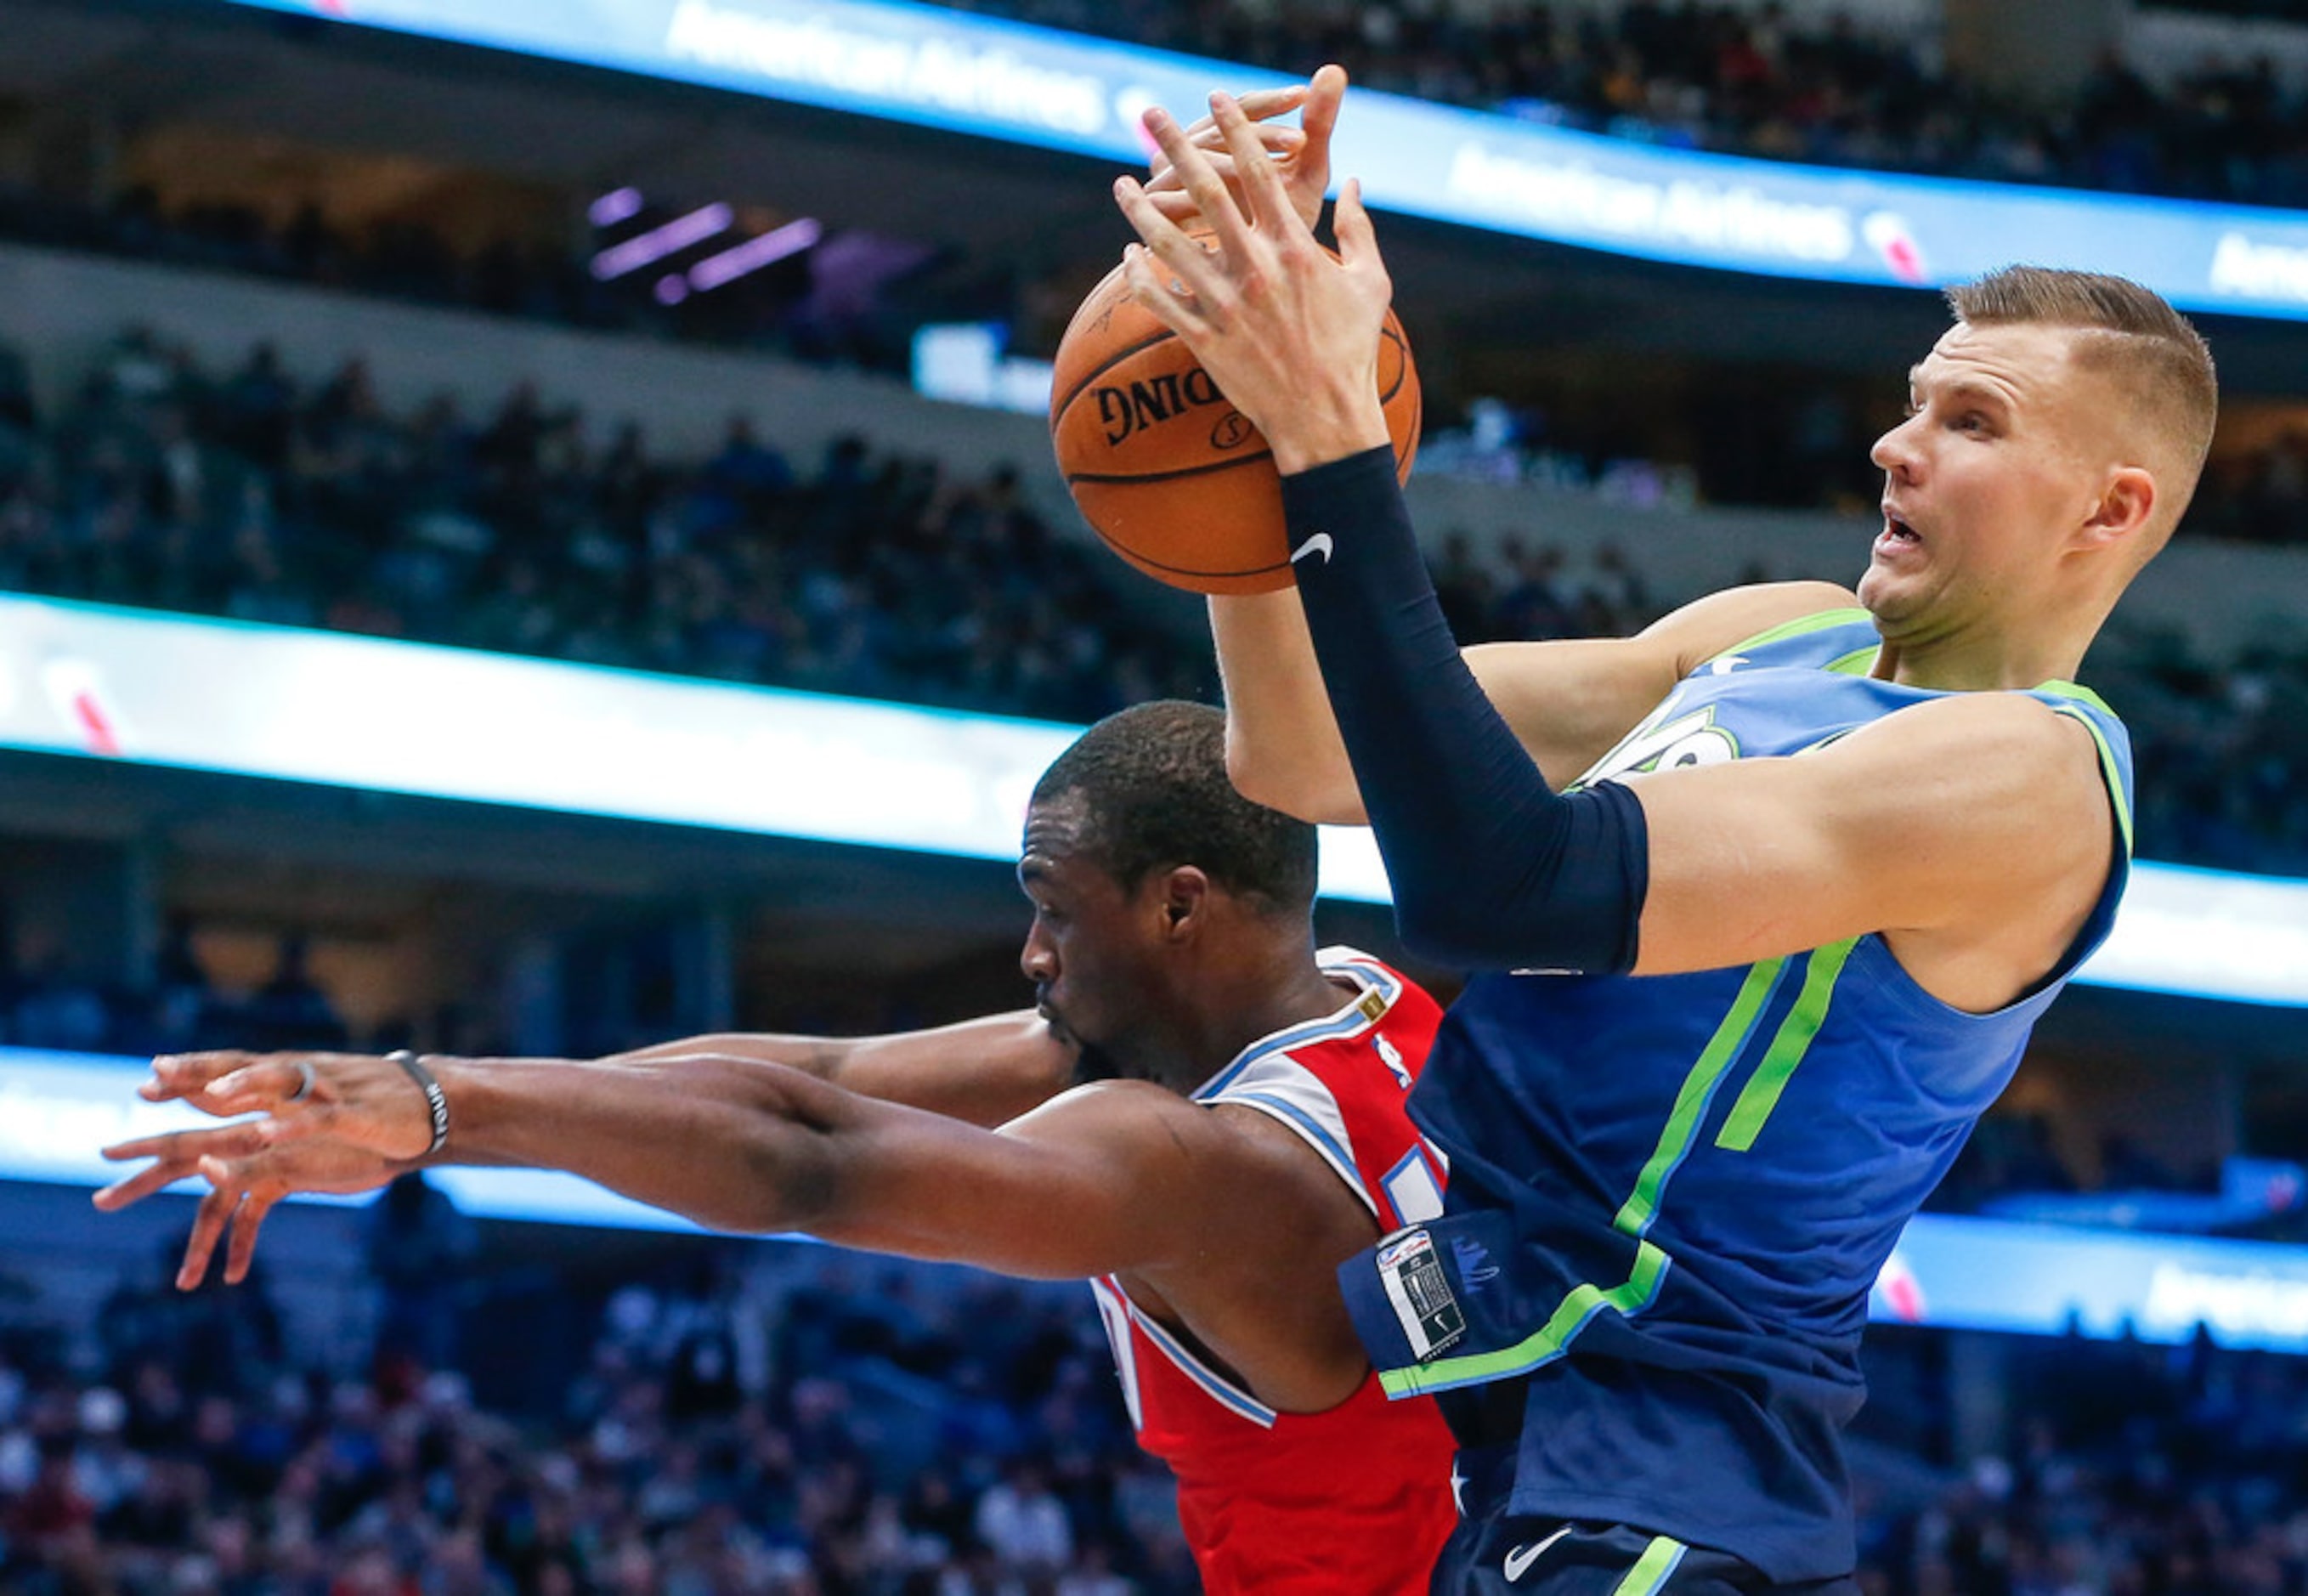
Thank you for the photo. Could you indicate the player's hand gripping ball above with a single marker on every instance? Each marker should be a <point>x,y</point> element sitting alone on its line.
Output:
<point>1174,477</point>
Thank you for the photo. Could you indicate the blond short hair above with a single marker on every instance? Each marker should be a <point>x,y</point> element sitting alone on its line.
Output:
<point>2152,351</point>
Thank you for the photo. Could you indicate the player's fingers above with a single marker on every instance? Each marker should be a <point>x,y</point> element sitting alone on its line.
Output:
<point>1281,143</point>
<point>247,1221</point>
<point>1150,285</point>
<point>1190,268</point>
<point>1260,180</point>
<point>282,1129</point>
<point>1358,239</point>
<point>180,1074</point>
<point>1176,206</point>
<point>225,1141</point>
<point>1259,104</point>
<point>208,1220</point>
<point>1203,182</point>
<point>140,1185</point>
<point>1325,95</point>
<point>265,1084</point>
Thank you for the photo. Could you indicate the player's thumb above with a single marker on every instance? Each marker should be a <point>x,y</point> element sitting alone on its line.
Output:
<point>1357,239</point>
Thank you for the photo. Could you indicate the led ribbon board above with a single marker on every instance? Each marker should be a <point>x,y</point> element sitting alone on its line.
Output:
<point>453,723</point>
<point>1065,92</point>
<point>58,1109</point>
<point>2054,1279</point>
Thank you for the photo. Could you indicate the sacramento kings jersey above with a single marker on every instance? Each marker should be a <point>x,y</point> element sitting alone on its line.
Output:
<point>1359,1497</point>
<point>1670,1194</point>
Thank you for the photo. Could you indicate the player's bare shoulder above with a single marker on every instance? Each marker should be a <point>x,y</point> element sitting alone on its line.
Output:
<point>1999,806</point>
<point>2015,762</point>
<point>1721,623</point>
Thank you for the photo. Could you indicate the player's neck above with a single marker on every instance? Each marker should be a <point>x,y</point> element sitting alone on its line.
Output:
<point>1984,658</point>
<point>1262,994</point>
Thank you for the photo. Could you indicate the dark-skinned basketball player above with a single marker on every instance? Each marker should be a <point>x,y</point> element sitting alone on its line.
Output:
<point>1763,901</point>
<point>1256,1139</point>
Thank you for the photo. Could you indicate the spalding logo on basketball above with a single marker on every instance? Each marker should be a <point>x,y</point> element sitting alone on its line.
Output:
<point>1174,477</point>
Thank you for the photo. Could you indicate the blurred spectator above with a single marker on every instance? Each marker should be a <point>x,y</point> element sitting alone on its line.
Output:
<point>2111,1469</point>
<point>418,1247</point>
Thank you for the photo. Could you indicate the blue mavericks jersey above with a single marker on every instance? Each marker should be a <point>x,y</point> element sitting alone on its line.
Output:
<point>1669,1196</point>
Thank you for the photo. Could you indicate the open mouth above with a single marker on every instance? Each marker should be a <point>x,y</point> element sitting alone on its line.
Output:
<point>1898,530</point>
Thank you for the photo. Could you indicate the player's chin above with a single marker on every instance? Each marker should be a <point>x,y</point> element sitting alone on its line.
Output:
<point>1059,1029</point>
<point>1885,593</point>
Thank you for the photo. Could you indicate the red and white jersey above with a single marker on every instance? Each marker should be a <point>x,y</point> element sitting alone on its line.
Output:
<point>1355,1500</point>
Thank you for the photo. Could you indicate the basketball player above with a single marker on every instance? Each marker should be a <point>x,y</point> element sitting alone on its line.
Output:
<point>1767,898</point>
<point>1257,1140</point>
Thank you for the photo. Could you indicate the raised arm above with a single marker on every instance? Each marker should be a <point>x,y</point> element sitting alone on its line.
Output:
<point>1915,828</point>
<point>1568,701</point>
<point>983,1072</point>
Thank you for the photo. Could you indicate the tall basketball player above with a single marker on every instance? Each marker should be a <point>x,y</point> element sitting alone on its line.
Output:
<point>1752,975</point>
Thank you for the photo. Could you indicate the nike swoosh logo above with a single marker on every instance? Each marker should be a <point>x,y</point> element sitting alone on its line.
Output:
<point>1520,1558</point>
<point>1320,543</point>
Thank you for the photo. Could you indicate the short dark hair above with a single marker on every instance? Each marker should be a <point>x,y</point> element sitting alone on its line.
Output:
<point>2154,351</point>
<point>1153,782</point>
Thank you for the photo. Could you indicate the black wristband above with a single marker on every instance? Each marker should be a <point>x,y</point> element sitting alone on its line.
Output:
<point>436,1101</point>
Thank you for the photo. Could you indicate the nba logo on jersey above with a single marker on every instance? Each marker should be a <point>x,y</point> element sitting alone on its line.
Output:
<point>1431,1319</point>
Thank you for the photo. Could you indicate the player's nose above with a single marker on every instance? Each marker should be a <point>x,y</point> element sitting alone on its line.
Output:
<point>1896,452</point>
<point>1037,959</point>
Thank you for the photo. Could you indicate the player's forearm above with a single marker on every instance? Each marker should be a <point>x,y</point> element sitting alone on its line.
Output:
<point>1491,867</point>
<point>731,1144</point>
<point>1283,748</point>
<point>984,1072</point>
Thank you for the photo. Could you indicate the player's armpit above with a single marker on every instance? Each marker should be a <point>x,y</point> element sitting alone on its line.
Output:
<point>1568,701</point>
<point>1974,831</point>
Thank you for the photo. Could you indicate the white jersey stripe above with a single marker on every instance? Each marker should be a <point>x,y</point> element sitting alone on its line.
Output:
<point>1225,1390</point>
<point>1359,1014</point>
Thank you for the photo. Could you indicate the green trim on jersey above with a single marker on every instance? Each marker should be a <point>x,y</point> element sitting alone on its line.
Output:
<point>1857,662</point>
<point>1584,1301</point>
<point>2111,773</point>
<point>1547,1342</point>
<point>1730,1039</point>
<point>2080,692</point>
<point>1761,1093</point>
<point>1649,1575</point>
<point>1796,628</point>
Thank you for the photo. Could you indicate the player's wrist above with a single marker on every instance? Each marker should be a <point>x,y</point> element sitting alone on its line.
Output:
<point>422,1074</point>
<point>1307,443</point>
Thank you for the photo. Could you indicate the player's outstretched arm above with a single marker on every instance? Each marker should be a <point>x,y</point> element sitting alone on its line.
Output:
<point>985,1071</point>
<point>1114,1176</point>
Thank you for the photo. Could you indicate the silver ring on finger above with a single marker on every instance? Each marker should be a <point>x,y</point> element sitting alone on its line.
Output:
<point>304,1082</point>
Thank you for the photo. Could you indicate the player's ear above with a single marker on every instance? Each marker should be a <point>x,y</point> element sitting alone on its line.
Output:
<point>1185,892</point>
<point>2127,502</point>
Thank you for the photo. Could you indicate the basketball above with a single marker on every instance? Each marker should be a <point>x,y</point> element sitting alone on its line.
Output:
<point>1174,479</point>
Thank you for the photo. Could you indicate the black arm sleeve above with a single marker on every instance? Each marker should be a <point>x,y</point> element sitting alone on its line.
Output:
<point>1491,867</point>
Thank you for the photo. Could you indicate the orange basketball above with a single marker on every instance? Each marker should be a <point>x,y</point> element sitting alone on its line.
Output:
<point>1174,479</point>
